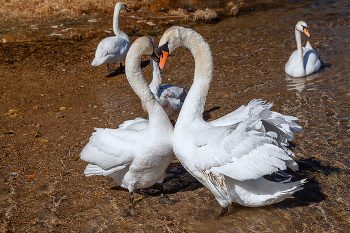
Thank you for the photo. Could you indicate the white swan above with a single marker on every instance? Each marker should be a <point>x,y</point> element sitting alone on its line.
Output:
<point>114,48</point>
<point>304,60</point>
<point>169,96</point>
<point>230,155</point>
<point>137,153</point>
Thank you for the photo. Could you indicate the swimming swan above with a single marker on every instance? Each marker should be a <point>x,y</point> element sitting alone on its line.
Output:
<point>304,60</point>
<point>169,96</point>
<point>229,155</point>
<point>137,153</point>
<point>114,48</point>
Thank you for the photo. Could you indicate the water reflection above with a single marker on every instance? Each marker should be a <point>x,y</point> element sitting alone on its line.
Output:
<point>300,83</point>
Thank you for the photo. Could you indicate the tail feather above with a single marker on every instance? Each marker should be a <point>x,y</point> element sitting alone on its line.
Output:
<point>261,192</point>
<point>98,61</point>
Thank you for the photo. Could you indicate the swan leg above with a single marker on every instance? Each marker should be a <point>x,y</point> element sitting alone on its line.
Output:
<point>162,190</point>
<point>130,212</point>
<point>121,68</point>
<point>109,70</point>
<point>131,198</point>
<point>224,210</point>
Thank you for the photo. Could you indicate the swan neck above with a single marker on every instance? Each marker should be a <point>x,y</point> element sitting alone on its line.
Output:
<point>116,29</point>
<point>139,85</point>
<point>193,106</point>
<point>299,48</point>
<point>157,77</point>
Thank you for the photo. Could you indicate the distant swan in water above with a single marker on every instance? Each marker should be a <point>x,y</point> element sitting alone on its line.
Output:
<point>304,60</point>
<point>229,155</point>
<point>137,153</point>
<point>114,48</point>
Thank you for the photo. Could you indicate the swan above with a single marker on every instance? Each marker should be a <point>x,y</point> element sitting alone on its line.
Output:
<point>170,97</point>
<point>304,60</point>
<point>114,48</point>
<point>137,153</point>
<point>229,155</point>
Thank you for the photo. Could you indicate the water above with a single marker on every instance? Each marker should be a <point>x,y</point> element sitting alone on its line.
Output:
<point>250,52</point>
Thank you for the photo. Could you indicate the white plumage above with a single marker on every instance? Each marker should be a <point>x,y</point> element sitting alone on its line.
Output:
<point>114,48</point>
<point>137,153</point>
<point>304,60</point>
<point>230,155</point>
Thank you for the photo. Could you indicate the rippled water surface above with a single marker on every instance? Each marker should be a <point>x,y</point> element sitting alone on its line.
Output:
<point>40,77</point>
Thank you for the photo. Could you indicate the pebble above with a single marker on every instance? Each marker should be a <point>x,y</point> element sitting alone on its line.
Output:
<point>13,174</point>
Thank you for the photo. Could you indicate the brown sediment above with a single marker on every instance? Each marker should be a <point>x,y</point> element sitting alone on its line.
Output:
<point>51,100</point>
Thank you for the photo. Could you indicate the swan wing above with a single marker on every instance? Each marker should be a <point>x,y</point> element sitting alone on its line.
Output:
<point>171,98</point>
<point>114,45</point>
<point>110,149</point>
<point>312,62</point>
<point>136,124</point>
<point>253,109</point>
<point>292,61</point>
<point>279,125</point>
<point>308,45</point>
<point>241,152</point>
<point>170,91</point>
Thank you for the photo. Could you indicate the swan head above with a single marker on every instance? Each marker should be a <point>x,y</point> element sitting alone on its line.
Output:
<point>302,27</point>
<point>153,55</point>
<point>122,6</point>
<point>169,41</point>
<point>144,46</point>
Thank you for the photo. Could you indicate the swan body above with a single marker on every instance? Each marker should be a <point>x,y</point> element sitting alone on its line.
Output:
<point>114,48</point>
<point>169,96</point>
<point>304,60</point>
<point>229,155</point>
<point>137,153</point>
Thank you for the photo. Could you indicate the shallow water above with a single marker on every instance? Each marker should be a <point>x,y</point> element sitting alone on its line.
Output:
<point>250,52</point>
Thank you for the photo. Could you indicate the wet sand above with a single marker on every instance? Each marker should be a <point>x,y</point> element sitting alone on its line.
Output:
<point>51,100</point>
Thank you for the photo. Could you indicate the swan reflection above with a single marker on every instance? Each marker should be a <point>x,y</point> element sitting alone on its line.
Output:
<point>300,83</point>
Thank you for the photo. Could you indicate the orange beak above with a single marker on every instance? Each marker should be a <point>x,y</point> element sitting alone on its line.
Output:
<point>163,58</point>
<point>306,32</point>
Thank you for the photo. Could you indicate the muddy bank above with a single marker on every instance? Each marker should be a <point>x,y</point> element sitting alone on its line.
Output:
<point>51,100</point>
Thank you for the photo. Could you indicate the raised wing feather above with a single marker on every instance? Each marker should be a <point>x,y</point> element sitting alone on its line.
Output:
<point>242,153</point>
<point>277,125</point>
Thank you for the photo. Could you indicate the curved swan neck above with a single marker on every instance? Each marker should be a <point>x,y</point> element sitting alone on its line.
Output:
<point>157,77</point>
<point>116,29</point>
<point>193,106</point>
<point>138,83</point>
<point>300,60</point>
